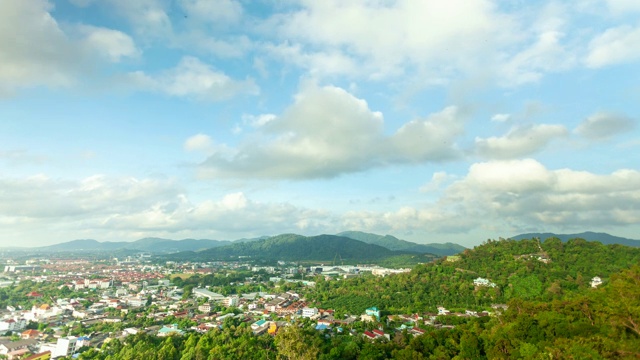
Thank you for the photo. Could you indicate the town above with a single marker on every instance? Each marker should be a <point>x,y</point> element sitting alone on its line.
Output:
<point>55,308</point>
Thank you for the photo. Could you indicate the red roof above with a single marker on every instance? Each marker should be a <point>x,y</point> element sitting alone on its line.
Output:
<point>369,334</point>
<point>378,332</point>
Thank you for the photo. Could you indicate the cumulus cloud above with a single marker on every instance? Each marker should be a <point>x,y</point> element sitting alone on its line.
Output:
<point>604,125</point>
<point>508,196</point>
<point>519,141</point>
<point>112,44</point>
<point>119,208</point>
<point>615,46</point>
<point>44,54</point>
<point>43,197</point>
<point>328,132</point>
<point>524,192</point>
<point>389,37</point>
<point>194,79</point>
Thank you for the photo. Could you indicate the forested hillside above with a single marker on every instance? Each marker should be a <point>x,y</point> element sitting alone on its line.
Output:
<point>393,243</point>
<point>525,269</point>
<point>295,248</point>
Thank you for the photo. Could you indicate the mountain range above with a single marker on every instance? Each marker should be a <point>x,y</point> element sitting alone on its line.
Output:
<point>604,238</point>
<point>159,245</point>
<point>292,247</point>
<point>154,245</point>
<point>392,243</point>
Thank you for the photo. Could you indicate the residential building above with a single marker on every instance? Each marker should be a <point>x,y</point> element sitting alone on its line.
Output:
<point>373,311</point>
<point>309,312</point>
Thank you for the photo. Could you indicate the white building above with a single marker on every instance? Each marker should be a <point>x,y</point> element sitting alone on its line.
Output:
<point>12,325</point>
<point>483,282</point>
<point>65,346</point>
<point>200,292</point>
<point>231,301</point>
<point>309,312</point>
<point>596,281</point>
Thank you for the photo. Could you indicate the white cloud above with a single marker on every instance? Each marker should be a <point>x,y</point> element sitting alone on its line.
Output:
<point>505,197</point>
<point>112,208</point>
<point>524,192</point>
<point>149,18</point>
<point>615,46</point>
<point>623,6</point>
<point>501,117</point>
<point>604,125</point>
<point>328,132</point>
<point>199,142</point>
<point>45,55</point>
<point>113,44</point>
<point>213,11</point>
<point>519,141</point>
<point>389,37</point>
<point>545,55</point>
<point>194,79</point>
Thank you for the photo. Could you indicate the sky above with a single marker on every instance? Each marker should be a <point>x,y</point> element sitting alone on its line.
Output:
<point>433,121</point>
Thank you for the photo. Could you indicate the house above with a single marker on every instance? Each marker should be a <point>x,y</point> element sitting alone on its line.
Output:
<point>373,311</point>
<point>369,335</point>
<point>380,334</point>
<point>483,282</point>
<point>258,324</point>
<point>13,324</point>
<point>83,341</point>
<point>30,334</point>
<point>443,311</point>
<point>168,330</point>
<point>46,355</point>
<point>596,281</point>
<point>205,308</point>
<point>15,348</point>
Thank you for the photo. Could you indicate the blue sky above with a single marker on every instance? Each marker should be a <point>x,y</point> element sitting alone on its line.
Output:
<point>432,121</point>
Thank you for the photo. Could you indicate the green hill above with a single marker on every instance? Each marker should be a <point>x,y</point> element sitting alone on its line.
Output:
<point>604,238</point>
<point>524,269</point>
<point>392,243</point>
<point>292,247</point>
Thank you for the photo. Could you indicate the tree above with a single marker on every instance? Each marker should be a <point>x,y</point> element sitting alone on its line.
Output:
<point>294,343</point>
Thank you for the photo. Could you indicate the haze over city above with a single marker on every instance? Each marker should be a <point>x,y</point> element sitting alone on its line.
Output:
<point>432,121</point>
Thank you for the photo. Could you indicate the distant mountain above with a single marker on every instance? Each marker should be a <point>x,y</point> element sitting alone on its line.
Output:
<point>295,247</point>
<point>153,245</point>
<point>392,243</point>
<point>604,238</point>
<point>251,239</point>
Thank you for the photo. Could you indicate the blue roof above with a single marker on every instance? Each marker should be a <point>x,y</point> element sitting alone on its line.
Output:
<point>322,327</point>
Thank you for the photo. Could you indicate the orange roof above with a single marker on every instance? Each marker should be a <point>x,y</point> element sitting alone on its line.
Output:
<point>45,307</point>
